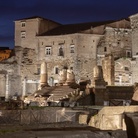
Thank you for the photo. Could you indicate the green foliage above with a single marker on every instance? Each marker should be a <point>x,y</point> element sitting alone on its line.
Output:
<point>5,131</point>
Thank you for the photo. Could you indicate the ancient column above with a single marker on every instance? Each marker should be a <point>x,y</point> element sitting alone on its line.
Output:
<point>43,75</point>
<point>70,77</point>
<point>108,69</point>
<point>24,87</point>
<point>62,76</point>
<point>120,80</point>
<point>98,73</point>
<point>98,80</point>
<point>7,87</point>
<point>99,85</point>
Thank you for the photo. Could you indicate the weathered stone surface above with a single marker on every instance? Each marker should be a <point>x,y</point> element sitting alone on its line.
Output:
<point>98,81</point>
<point>70,77</point>
<point>97,73</point>
<point>131,120</point>
<point>83,118</point>
<point>123,71</point>
<point>43,76</point>
<point>62,76</point>
<point>108,69</point>
<point>111,118</point>
<point>135,95</point>
<point>90,45</point>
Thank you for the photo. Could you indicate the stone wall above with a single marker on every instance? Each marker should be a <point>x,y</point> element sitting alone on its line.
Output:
<point>32,27</point>
<point>82,60</point>
<point>111,118</point>
<point>40,116</point>
<point>2,85</point>
<point>116,41</point>
<point>123,71</point>
<point>134,26</point>
<point>80,51</point>
<point>113,95</point>
<point>28,69</point>
<point>10,79</point>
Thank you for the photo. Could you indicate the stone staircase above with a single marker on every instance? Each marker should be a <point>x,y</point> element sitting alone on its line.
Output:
<point>60,92</point>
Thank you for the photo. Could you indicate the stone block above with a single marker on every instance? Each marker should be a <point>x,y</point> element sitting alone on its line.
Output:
<point>83,118</point>
<point>131,120</point>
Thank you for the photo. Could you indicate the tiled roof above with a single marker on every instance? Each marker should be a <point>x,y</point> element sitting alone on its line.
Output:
<point>73,28</point>
<point>77,28</point>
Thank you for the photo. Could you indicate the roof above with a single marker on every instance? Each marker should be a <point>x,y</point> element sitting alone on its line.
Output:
<point>73,28</point>
<point>77,28</point>
<point>34,17</point>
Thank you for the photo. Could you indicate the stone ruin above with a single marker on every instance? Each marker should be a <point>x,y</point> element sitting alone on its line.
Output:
<point>47,93</point>
<point>134,100</point>
<point>99,92</point>
<point>131,120</point>
<point>99,87</point>
<point>98,81</point>
<point>66,77</point>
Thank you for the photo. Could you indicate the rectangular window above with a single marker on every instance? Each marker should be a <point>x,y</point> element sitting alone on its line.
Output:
<point>38,70</point>
<point>23,24</point>
<point>48,50</point>
<point>56,70</point>
<point>105,49</point>
<point>126,68</point>
<point>128,54</point>
<point>23,34</point>
<point>72,49</point>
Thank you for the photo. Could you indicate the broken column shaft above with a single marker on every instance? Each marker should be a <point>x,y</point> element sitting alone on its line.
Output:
<point>43,75</point>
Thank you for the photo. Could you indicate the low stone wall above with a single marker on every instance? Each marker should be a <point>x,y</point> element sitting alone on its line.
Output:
<point>109,118</point>
<point>39,116</point>
<point>104,118</point>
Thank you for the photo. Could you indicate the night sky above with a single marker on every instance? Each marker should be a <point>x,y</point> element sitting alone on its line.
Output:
<point>62,11</point>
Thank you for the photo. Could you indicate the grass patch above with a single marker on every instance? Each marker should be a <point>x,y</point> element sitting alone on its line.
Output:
<point>5,131</point>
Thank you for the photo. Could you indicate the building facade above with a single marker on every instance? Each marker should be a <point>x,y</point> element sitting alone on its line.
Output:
<point>79,47</point>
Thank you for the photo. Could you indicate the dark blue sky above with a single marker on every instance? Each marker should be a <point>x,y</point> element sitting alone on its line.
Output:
<point>62,11</point>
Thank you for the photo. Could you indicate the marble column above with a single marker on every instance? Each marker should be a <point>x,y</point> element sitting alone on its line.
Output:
<point>62,76</point>
<point>24,87</point>
<point>120,80</point>
<point>43,75</point>
<point>7,88</point>
<point>70,77</point>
